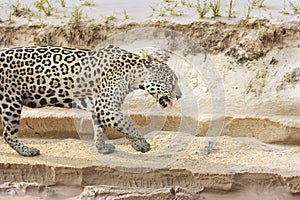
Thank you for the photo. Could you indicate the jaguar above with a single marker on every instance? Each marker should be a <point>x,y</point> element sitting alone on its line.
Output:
<point>93,80</point>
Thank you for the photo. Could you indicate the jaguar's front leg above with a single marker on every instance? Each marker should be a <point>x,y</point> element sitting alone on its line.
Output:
<point>116,119</point>
<point>100,137</point>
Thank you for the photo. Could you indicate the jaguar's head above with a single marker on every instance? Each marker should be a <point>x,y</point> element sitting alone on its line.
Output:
<point>161,82</point>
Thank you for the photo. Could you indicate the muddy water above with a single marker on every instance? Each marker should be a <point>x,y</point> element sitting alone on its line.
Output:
<point>51,192</point>
<point>72,193</point>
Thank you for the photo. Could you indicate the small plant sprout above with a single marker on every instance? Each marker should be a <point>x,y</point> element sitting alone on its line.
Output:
<point>92,25</point>
<point>40,19</point>
<point>284,5</point>
<point>249,9</point>
<point>17,10</point>
<point>215,7</point>
<point>183,2</point>
<point>44,6</point>
<point>284,8</point>
<point>109,18</point>
<point>172,9</point>
<point>9,18</point>
<point>258,3</point>
<point>294,7</point>
<point>261,31</point>
<point>87,2</point>
<point>126,16</point>
<point>202,10</point>
<point>76,16</point>
<point>29,17</point>
<point>62,3</point>
<point>230,11</point>
<point>162,12</point>
<point>168,7</point>
<point>153,9</point>
<point>186,3</point>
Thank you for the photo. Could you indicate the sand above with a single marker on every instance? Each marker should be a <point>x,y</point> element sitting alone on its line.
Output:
<point>176,160</point>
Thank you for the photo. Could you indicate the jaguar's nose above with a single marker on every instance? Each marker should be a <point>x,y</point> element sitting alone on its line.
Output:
<point>178,92</point>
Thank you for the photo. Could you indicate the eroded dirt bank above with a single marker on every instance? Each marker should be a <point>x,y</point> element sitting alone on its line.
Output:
<point>215,37</point>
<point>176,160</point>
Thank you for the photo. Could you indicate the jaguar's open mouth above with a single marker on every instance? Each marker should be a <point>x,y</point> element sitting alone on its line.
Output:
<point>164,101</point>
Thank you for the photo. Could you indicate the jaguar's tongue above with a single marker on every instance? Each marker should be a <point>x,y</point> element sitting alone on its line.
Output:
<point>169,103</point>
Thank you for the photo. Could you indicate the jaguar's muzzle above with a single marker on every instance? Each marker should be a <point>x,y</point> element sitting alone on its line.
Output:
<point>164,101</point>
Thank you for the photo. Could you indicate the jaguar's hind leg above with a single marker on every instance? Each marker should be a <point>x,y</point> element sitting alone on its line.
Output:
<point>10,108</point>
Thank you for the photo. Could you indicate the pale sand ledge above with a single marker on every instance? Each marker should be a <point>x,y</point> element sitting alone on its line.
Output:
<point>53,123</point>
<point>175,159</point>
